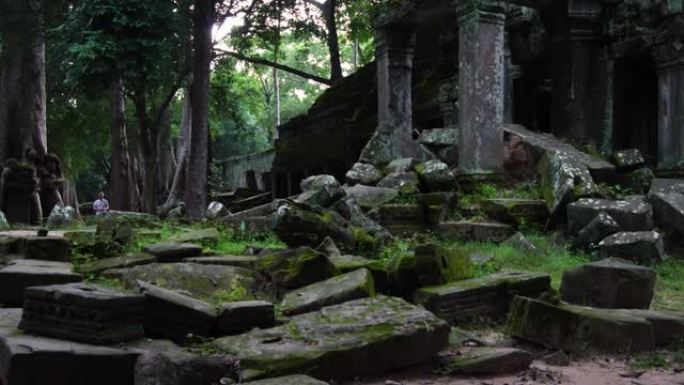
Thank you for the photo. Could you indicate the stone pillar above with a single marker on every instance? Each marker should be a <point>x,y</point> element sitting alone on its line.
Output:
<point>669,56</point>
<point>576,111</point>
<point>394,57</point>
<point>481,86</point>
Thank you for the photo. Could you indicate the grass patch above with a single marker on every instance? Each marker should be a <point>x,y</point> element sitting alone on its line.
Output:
<point>237,292</point>
<point>669,293</point>
<point>549,258</point>
<point>649,361</point>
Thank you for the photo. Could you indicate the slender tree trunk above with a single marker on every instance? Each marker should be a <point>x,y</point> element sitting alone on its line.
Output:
<point>332,38</point>
<point>276,91</point>
<point>178,185</point>
<point>167,159</point>
<point>198,155</point>
<point>121,182</point>
<point>22,83</point>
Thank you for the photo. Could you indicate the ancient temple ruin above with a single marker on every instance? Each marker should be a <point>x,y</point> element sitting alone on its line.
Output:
<point>605,76</point>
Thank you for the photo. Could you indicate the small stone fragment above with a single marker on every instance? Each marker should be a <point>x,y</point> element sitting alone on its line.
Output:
<point>363,173</point>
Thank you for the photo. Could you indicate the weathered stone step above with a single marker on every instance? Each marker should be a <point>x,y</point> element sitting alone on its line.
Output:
<point>361,337</point>
<point>576,328</point>
<point>486,296</point>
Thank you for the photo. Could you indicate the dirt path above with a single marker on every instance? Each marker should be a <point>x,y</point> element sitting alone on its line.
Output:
<point>596,372</point>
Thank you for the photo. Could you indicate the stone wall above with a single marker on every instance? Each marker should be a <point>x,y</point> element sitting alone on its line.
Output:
<point>251,171</point>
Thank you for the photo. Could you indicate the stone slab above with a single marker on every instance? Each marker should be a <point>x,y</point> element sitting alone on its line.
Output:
<point>130,260</point>
<point>295,379</point>
<point>83,312</point>
<point>644,247</point>
<point>488,361</point>
<point>631,215</point>
<point>173,252</point>
<point>50,248</point>
<point>30,360</point>
<point>354,285</point>
<point>175,315</point>
<point>23,273</point>
<point>610,284</point>
<point>362,337</point>
<point>475,231</point>
<point>238,317</point>
<point>246,261</point>
<point>576,328</point>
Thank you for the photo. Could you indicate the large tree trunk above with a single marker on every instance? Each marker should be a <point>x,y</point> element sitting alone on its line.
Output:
<point>148,145</point>
<point>198,156</point>
<point>332,39</point>
<point>121,182</point>
<point>22,83</point>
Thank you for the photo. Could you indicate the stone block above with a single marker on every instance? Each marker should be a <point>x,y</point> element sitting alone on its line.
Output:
<point>628,158</point>
<point>354,285</point>
<point>644,247</point>
<point>371,197</point>
<point>173,252</point>
<point>320,190</point>
<point>206,237</point>
<point>668,211</point>
<point>475,231</point>
<point>23,273</point>
<point>295,379</point>
<point>295,268</point>
<point>174,315</point>
<point>200,281</point>
<point>575,328</point>
<point>517,211</point>
<point>564,180</point>
<point>29,360</point>
<point>435,176</point>
<point>610,284</point>
<point>406,183</point>
<point>631,215</point>
<point>402,219</point>
<point>364,174</point>
<point>338,341</point>
<point>488,296</point>
<point>602,226</point>
<point>246,262</point>
<point>243,316</point>
<point>130,260</point>
<point>84,313</point>
<point>489,361</point>
<point>666,186</point>
<point>45,248</point>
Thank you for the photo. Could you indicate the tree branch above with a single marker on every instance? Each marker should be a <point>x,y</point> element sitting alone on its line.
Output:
<point>272,64</point>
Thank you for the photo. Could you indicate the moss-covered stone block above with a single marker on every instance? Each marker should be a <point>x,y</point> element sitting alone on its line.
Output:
<point>295,268</point>
<point>488,296</point>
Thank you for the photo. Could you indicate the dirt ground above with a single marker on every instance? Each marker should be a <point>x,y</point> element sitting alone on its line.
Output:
<point>596,372</point>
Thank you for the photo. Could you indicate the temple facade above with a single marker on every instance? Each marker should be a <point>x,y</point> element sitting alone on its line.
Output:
<point>602,75</point>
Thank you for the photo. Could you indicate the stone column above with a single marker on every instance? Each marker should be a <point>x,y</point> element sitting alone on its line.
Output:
<point>394,57</point>
<point>393,139</point>
<point>481,86</point>
<point>669,56</point>
<point>576,109</point>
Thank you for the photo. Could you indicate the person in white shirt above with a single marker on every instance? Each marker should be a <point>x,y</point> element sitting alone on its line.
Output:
<point>101,205</point>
